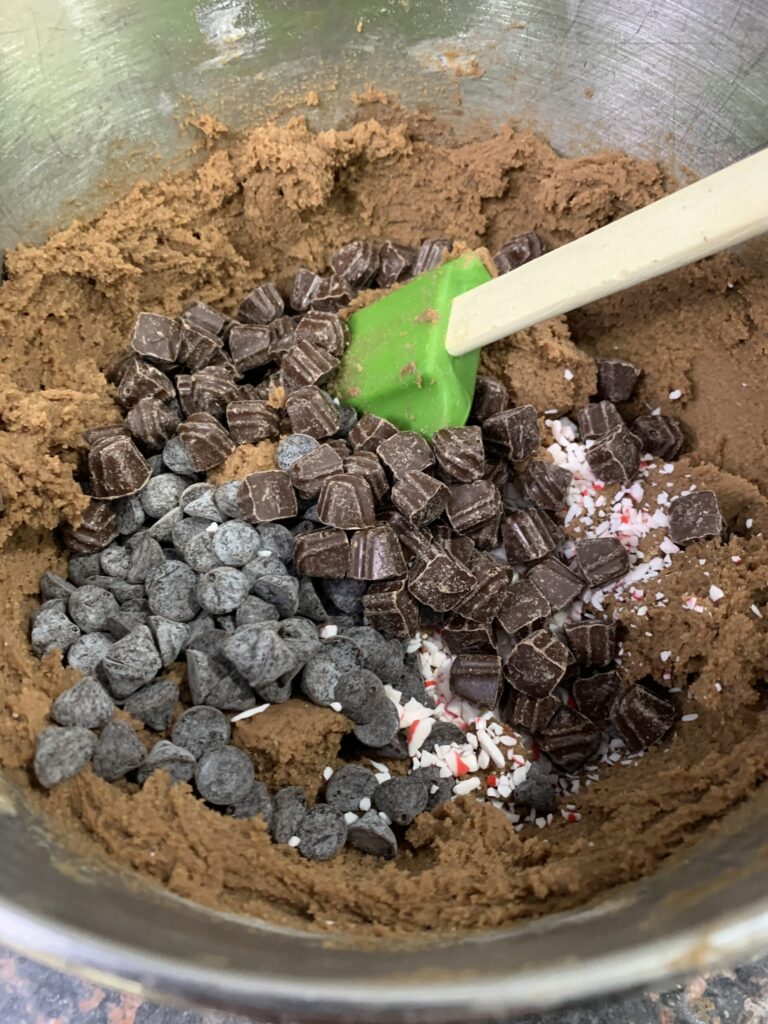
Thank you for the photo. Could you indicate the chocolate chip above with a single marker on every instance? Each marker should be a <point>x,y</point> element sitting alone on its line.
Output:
<point>263,305</point>
<point>130,515</point>
<point>200,729</point>
<point>154,704</point>
<point>459,452</point>
<point>305,282</point>
<point>307,363</point>
<point>529,535</point>
<point>117,468</point>
<point>279,590</point>
<point>131,662</point>
<point>402,798</point>
<point>140,380</point>
<point>593,643</point>
<point>82,567</point>
<point>118,752</point>
<point>519,250</point>
<point>346,502</point>
<point>556,582</point>
<point>431,254</point>
<point>360,693</point>
<point>90,608</point>
<point>235,543</point>
<point>207,443</point>
<point>293,447</point>
<point>440,581</point>
<point>395,261</point>
<point>259,654</point>
<point>171,591</point>
<point>332,293</point>
<point>642,718</point>
<point>254,609</point>
<point>176,457</point>
<point>615,457</point>
<point>53,586</point>
<point>97,528</point>
<point>390,608</point>
<point>486,594</point>
<point>198,347</point>
<point>470,506</point>
<point>322,833</point>
<point>616,379</point>
<point>61,753</point>
<point>381,728</point>
<point>161,494</point>
<point>85,704</point>
<point>371,834</point>
<point>529,713</point>
<point>290,806</point>
<point>569,739</point>
<point>538,663</point>
<point>659,435</point>
<point>357,262</point>
<point>257,803</point>
<point>168,757</point>
<point>346,595</point>
<point>513,433</point>
<point>601,560</point>
<point>375,554</point>
<point>443,734</point>
<point>311,411</point>
<point>348,786</point>
<point>491,398</point>
<point>546,485</point>
<point>405,452</point>
<point>539,789</point>
<point>477,678</point>
<point>224,775</point>
<point>222,590</point>
<point>87,652</point>
<point>250,345</point>
<point>369,432</point>
<point>156,338</point>
<point>599,418</point>
<point>595,696</point>
<point>267,496</point>
<point>523,609</point>
<point>204,318</point>
<point>694,516</point>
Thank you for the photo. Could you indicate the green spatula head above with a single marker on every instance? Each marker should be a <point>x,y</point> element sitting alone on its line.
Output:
<point>396,365</point>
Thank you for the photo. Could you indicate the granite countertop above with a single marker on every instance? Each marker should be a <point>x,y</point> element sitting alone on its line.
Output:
<point>32,994</point>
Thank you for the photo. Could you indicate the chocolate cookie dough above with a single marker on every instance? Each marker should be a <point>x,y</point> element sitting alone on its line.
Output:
<point>257,210</point>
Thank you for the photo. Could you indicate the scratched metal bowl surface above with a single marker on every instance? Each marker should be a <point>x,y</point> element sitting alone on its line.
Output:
<point>88,88</point>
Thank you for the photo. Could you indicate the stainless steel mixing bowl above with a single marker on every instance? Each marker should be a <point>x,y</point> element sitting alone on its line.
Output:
<point>87,89</point>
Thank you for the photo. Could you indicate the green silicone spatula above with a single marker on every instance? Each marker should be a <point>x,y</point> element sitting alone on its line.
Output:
<point>413,355</point>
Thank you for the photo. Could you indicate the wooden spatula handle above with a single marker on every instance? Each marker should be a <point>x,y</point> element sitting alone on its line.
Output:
<point>715,213</point>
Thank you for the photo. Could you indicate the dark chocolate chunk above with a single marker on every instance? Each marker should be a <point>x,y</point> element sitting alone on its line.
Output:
<point>477,678</point>
<point>484,598</point>
<point>556,582</point>
<point>601,559</point>
<point>459,452</point>
<point>312,411</point>
<point>156,338</point>
<point>306,363</point>
<point>252,421</point>
<point>152,422</point>
<point>523,609</point>
<point>198,348</point>
<point>615,457</point>
<point>305,282</point>
<point>642,718</point>
<point>569,739</point>
<point>529,713</point>
<point>332,293</point>
<point>267,496</point>
<point>529,535</point>
<point>470,506</point>
<point>346,502</point>
<point>375,554</point>
<point>357,262</point>
<point>117,468</point>
<point>596,695</point>
<point>369,432</point>
<point>593,643</point>
<point>538,663</point>
<point>97,528</point>
<point>519,250</point>
<point>431,254</point>
<point>322,553</point>
<point>461,636</point>
<point>546,485</point>
<point>366,465</point>
<point>419,497</point>
<point>93,435</point>
<point>249,345</point>
<point>659,435</point>
<point>308,473</point>
<point>440,581</point>
<point>324,330</point>
<point>210,390</point>
<point>616,379</point>
<point>322,833</point>
<point>597,419</point>
<point>405,452</point>
<point>415,542</point>
<point>141,380</point>
<point>206,319</point>
<point>487,537</point>
<point>263,305</point>
<point>462,548</point>
<point>371,834</point>
<point>390,608</point>
<point>395,261</point>
<point>695,516</point>
<point>402,798</point>
<point>491,398</point>
<point>513,432</point>
<point>205,440</point>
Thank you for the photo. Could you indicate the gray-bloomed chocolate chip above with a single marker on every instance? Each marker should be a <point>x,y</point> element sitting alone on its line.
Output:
<point>491,398</point>
<point>371,834</point>
<point>369,432</point>
<point>395,750</point>
<point>440,790</point>
<point>53,630</point>
<point>695,516</point>
<point>556,582</point>
<point>82,567</point>
<point>280,591</point>
<point>390,608</point>
<point>86,704</point>
<point>225,499</point>
<point>170,637</point>
<point>198,552</point>
<point>61,753</point>
<point>530,713</point>
<point>171,758</point>
<point>395,261</point>
<point>524,608</point>
<point>519,250</point>
<point>319,679</point>
<point>460,453</point>
<point>172,591</point>
<point>121,590</point>
<point>464,637</point>
<point>152,422</point>
<point>131,662</point>
<point>156,338</point>
<point>616,379</point>
<point>252,421</point>
<point>593,643</point>
<point>477,678</point>
<point>513,432</point>
<point>360,695</point>
<point>207,443</point>
<point>569,739</point>
<point>659,435</point>
<point>598,419</point>
<point>222,590</point>
<point>344,653</point>
<point>117,468</point>
<point>601,559</point>
<point>375,554</point>
<point>257,803</point>
<point>118,752</point>
<point>346,503</point>
<point>310,605</point>
<point>161,494</point>
<point>596,695</point>
<point>97,528</point>
<point>348,786</point>
<point>267,496</point>
<point>382,726</point>
<point>264,565</point>
<point>539,788</point>
<point>235,543</point>
<point>130,514</point>
<point>115,560</point>
<point>322,553</point>
<point>91,607</point>
<point>405,452</point>
<point>290,806</point>
<point>419,497</point>
<point>402,798</point>
<point>254,610</point>
<point>529,535</point>
<point>177,458</point>
<point>439,581</point>
<point>259,654</point>
<point>163,530</point>
<point>443,734</point>
<point>615,457</point>
<point>87,652</point>
<point>471,506</point>
<point>53,586</point>
<point>224,775</point>
<point>293,447</point>
<point>546,485</point>
<point>261,306</point>
<point>200,729</point>
<point>538,663</point>
<point>322,833</point>
<point>642,718</point>
<point>154,704</point>
<point>211,683</point>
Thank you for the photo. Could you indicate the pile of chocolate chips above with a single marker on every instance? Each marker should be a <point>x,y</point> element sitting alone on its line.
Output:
<point>362,527</point>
